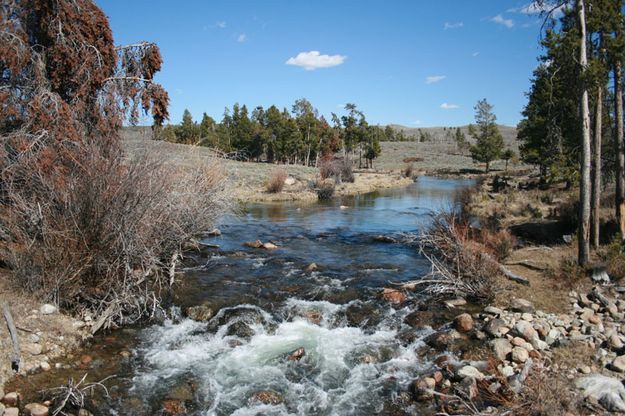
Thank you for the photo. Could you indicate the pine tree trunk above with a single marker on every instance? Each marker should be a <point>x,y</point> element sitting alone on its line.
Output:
<point>596,174</point>
<point>620,149</point>
<point>584,186</point>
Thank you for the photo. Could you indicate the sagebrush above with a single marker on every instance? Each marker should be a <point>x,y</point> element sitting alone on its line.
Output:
<point>95,232</point>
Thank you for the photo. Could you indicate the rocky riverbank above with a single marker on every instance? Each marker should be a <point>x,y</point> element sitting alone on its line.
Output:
<point>522,342</point>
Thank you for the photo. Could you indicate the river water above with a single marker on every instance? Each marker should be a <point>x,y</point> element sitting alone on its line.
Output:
<point>360,351</point>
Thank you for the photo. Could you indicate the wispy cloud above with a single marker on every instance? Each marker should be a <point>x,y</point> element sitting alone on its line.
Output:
<point>432,79</point>
<point>417,122</point>
<point>533,8</point>
<point>499,19</point>
<point>447,106</point>
<point>453,25</point>
<point>241,38</point>
<point>474,54</point>
<point>314,60</point>
<point>220,24</point>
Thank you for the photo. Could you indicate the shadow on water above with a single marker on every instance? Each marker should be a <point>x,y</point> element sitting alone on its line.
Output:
<point>272,302</point>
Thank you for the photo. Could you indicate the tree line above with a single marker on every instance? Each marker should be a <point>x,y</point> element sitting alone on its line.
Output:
<point>298,136</point>
<point>575,100</point>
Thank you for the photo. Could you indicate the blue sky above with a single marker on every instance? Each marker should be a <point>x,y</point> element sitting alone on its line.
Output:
<point>417,63</point>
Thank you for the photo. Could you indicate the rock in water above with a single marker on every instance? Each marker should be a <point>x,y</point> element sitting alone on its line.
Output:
<point>253,244</point>
<point>174,408</point>
<point>393,296</point>
<point>464,322</point>
<point>269,246</point>
<point>47,309</point>
<point>600,276</point>
<point>267,397</point>
<point>297,354</point>
<point>215,232</point>
<point>608,391</point>
<point>201,313</point>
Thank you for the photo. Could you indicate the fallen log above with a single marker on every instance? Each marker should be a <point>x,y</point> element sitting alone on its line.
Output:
<point>528,264</point>
<point>15,357</point>
<point>512,276</point>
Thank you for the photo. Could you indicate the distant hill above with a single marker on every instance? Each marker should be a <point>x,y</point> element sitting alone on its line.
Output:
<point>446,134</point>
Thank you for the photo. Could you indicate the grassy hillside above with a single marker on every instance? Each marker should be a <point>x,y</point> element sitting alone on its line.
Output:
<point>446,134</point>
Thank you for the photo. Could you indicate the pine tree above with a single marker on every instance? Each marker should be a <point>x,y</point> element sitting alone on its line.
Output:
<point>489,140</point>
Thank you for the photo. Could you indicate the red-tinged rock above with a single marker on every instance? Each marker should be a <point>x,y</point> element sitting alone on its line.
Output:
<point>267,397</point>
<point>464,322</point>
<point>254,244</point>
<point>173,407</point>
<point>393,296</point>
<point>297,354</point>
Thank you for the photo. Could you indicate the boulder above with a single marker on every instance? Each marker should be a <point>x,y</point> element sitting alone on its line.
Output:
<point>464,322</point>
<point>454,303</point>
<point>502,348</point>
<point>215,232</point>
<point>522,305</point>
<point>289,181</point>
<point>47,309</point>
<point>608,391</point>
<point>11,411</point>
<point>270,246</point>
<point>312,267</point>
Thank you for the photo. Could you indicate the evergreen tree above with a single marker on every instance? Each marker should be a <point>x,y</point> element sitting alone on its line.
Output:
<point>489,142</point>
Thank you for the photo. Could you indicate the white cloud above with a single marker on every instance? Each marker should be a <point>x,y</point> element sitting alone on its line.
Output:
<point>453,25</point>
<point>499,19</point>
<point>474,54</point>
<point>432,79</point>
<point>417,122</point>
<point>314,60</point>
<point>220,24</point>
<point>242,37</point>
<point>447,106</point>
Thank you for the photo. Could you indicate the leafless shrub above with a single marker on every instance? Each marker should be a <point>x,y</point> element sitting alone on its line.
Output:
<point>461,266</point>
<point>276,180</point>
<point>93,231</point>
<point>72,396</point>
<point>324,189</point>
<point>409,171</point>
<point>338,169</point>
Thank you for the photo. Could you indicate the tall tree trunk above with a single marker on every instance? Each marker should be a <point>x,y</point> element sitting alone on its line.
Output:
<point>620,148</point>
<point>596,174</point>
<point>584,185</point>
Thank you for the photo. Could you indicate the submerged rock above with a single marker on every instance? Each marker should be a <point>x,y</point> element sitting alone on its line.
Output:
<point>201,313</point>
<point>173,407</point>
<point>464,322</point>
<point>267,397</point>
<point>253,244</point>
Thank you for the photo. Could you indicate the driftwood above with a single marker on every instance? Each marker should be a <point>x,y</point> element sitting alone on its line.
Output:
<point>528,264</point>
<point>15,357</point>
<point>513,277</point>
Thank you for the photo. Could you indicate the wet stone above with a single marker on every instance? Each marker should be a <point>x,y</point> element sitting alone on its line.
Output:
<point>267,397</point>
